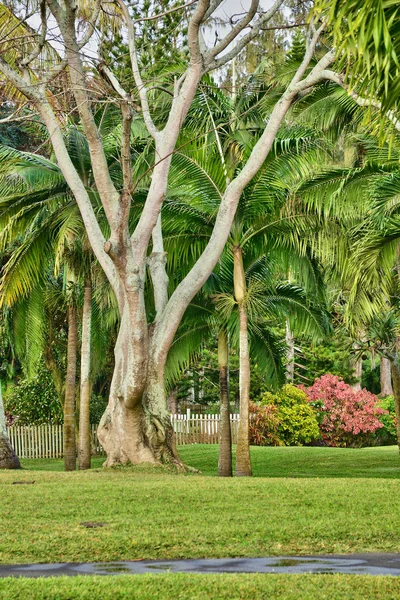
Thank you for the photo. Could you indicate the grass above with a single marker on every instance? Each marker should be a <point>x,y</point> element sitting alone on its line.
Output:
<point>149,512</point>
<point>203,587</point>
<point>380,462</point>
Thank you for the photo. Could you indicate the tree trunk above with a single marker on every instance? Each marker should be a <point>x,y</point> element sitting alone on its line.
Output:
<point>173,401</point>
<point>243,462</point>
<point>69,403</point>
<point>8,458</point>
<point>386,378</point>
<point>84,452</point>
<point>289,354</point>
<point>136,426</point>
<point>357,370</point>
<point>225,438</point>
<point>395,369</point>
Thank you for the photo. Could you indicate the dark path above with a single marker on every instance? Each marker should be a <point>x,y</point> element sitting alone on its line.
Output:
<point>359,564</point>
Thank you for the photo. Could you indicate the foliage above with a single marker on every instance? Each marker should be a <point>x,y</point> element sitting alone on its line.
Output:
<point>264,425</point>
<point>347,416</point>
<point>297,419</point>
<point>388,433</point>
<point>333,356</point>
<point>35,401</point>
<point>98,405</point>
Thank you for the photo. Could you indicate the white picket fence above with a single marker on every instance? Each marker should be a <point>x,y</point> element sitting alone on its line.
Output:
<point>46,441</point>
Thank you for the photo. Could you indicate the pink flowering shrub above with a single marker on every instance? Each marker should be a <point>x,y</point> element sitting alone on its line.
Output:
<point>347,417</point>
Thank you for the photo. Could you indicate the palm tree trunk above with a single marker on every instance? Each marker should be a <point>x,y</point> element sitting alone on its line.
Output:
<point>289,354</point>
<point>225,442</point>
<point>357,370</point>
<point>395,369</point>
<point>386,378</point>
<point>243,462</point>
<point>69,403</point>
<point>84,451</point>
<point>8,458</point>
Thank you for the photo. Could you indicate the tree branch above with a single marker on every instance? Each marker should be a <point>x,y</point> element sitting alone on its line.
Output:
<point>215,63</point>
<point>197,276</point>
<point>235,31</point>
<point>151,128</point>
<point>107,191</point>
<point>42,38</point>
<point>167,12</point>
<point>195,22</point>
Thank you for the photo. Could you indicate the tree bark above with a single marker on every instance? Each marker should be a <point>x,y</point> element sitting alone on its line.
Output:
<point>386,378</point>
<point>243,462</point>
<point>84,451</point>
<point>395,370</point>
<point>225,438</point>
<point>8,458</point>
<point>69,403</point>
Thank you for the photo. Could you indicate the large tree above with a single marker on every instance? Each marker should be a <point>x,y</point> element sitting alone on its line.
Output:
<point>136,425</point>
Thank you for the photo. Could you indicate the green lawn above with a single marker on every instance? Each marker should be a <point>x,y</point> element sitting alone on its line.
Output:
<point>204,587</point>
<point>382,462</point>
<point>150,512</point>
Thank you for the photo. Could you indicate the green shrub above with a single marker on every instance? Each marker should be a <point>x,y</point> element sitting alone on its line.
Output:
<point>298,423</point>
<point>388,434</point>
<point>34,401</point>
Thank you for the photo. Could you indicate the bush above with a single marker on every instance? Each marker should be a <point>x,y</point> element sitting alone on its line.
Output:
<point>347,417</point>
<point>297,423</point>
<point>34,401</point>
<point>264,425</point>
<point>388,433</point>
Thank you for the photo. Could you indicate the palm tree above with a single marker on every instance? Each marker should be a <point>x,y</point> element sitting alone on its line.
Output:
<point>37,202</point>
<point>198,178</point>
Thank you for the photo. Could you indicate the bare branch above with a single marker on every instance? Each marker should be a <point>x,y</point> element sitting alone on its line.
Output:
<point>42,38</point>
<point>235,31</point>
<point>167,12</point>
<point>151,128</point>
<point>242,43</point>
<point>113,81</point>
<point>310,49</point>
<point>214,4</point>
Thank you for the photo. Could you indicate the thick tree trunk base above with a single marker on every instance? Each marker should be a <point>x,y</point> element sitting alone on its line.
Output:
<point>8,458</point>
<point>129,436</point>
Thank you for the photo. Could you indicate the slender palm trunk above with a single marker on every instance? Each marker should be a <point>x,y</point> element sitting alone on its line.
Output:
<point>357,370</point>
<point>386,378</point>
<point>225,442</point>
<point>8,458</point>
<point>289,353</point>
<point>243,462</point>
<point>69,403</point>
<point>395,369</point>
<point>84,452</point>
